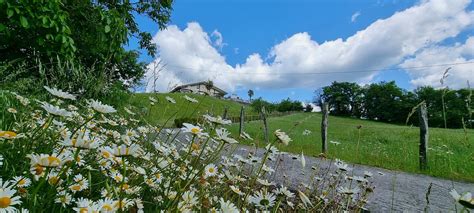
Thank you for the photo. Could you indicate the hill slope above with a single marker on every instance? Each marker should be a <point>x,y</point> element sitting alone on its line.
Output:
<point>163,110</point>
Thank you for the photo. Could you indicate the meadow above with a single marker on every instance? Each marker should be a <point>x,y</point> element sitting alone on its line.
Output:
<point>395,147</point>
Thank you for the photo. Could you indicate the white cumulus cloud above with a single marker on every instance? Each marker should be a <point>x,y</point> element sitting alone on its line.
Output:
<point>400,40</point>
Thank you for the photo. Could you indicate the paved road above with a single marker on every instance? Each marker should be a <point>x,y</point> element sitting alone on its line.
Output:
<point>394,191</point>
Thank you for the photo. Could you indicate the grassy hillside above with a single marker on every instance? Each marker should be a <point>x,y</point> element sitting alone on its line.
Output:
<point>164,110</point>
<point>451,153</point>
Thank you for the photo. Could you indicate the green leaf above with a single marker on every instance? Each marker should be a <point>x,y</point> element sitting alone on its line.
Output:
<point>107,28</point>
<point>24,22</point>
<point>10,13</point>
<point>2,27</point>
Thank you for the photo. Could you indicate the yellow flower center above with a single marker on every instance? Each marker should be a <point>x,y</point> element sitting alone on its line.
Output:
<point>105,154</point>
<point>195,130</point>
<point>83,210</point>
<point>5,202</point>
<point>158,175</point>
<point>76,187</point>
<point>53,161</point>
<point>63,199</point>
<point>73,142</point>
<point>53,180</point>
<point>107,207</point>
<point>195,146</point>
<point>39,170</point>
<point>22,182</point>
<point>211,170</point>
<point>7,134</point>
<point>125,186</point>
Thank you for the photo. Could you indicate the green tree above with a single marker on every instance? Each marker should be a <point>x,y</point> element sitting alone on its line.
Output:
<point>258,103</point>
<point>384,101</point>
<point>457,103</point>
<point>250,93</point>
<point>90,33</point>
<point>344,98</point>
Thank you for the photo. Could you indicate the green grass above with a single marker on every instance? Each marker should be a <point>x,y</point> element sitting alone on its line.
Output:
<point>383,145</point>
<point>164,110</point>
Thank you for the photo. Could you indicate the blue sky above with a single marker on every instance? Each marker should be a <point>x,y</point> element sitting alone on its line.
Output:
<point>249,27</point>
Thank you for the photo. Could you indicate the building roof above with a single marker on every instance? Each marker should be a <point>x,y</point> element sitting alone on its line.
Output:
<point>198,83</point>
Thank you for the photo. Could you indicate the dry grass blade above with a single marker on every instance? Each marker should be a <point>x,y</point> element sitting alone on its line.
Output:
<point>413,110</point>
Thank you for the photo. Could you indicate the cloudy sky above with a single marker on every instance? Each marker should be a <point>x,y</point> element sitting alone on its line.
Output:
<point>284,48</point>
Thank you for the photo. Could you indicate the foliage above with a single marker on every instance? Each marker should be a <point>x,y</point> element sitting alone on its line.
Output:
<point>384,101</point>
<point>289,106</point>
<point>89,33</point>
<point>87,82</point>
<point>258,103</point>
<point>308,108</point>
<point>344,98</point>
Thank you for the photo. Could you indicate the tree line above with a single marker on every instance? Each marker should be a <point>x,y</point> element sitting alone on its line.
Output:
<point>386,102</point>
<point>285,105</point>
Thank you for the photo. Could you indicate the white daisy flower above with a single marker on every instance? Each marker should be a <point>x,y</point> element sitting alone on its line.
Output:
<point>228,207</point>
<point>127,110</point>
<point>347,191</point>
<point>223,135</point>
<point>210,170</point>
<point>466,199</point>
<point>59,93</point>
<point>192,100</point>
<point>284,191</point>
<point>236,190</point>
<point>153,100</point>
<point>341,165</point>
<point>55,110</point>
<point>282,137</point>
<point>7,198</point>
<point>195,130</point>
<point>21,181</point>
<point>217,120</point>
<point>306,132</point>
<point>100,107</point>
<point>246,136</point>
<point>63,198</point>
<point>170,99</point>
<point>12,110</point>
<point>262,199</point>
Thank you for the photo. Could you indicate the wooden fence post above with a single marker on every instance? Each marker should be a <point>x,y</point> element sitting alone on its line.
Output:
<point>224,116</point>
<point>265,125</point>
<point>423,116</point>
<point>241,126</point>
<point>324,127</point>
